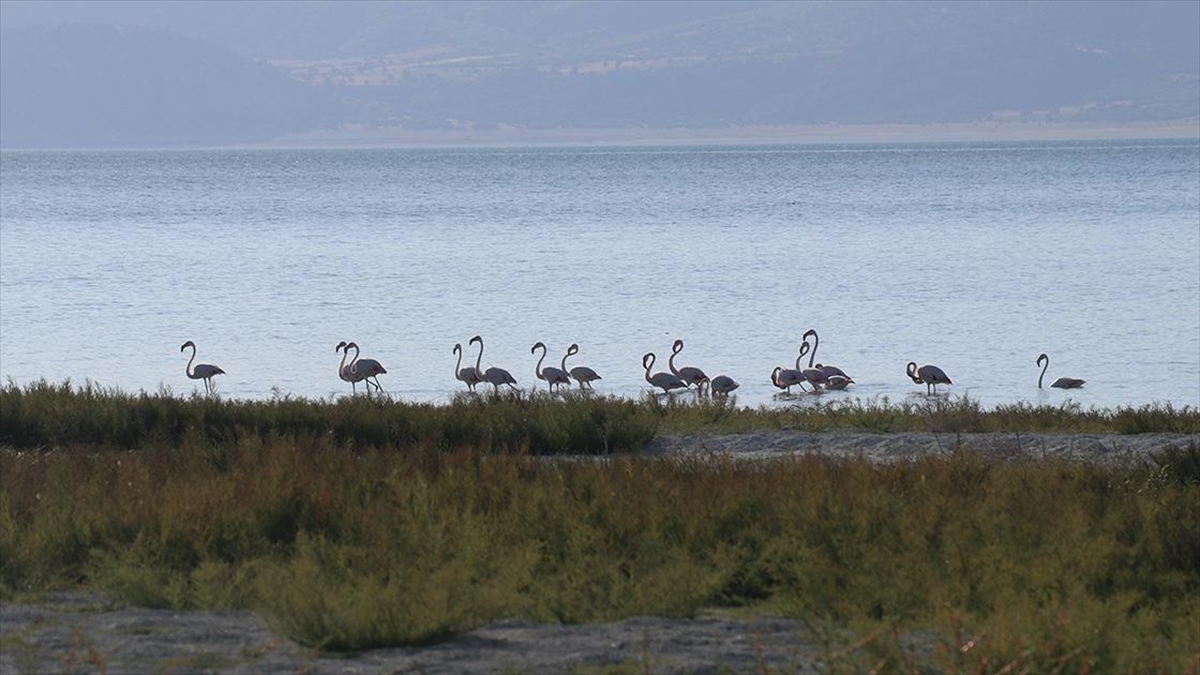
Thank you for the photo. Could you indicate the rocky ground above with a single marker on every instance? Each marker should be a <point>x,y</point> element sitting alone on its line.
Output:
<point>82,632</point>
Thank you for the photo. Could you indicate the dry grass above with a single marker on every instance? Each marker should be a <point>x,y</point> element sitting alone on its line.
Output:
<point>349,544</point>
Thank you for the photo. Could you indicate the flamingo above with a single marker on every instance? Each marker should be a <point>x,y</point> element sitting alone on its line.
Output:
<point>665,380</point>
<point>838,382</point>
<point>343,369</point>
<point>723,385</point>
<point>365,370</point>
<point>786,378</point>
<point>496,376</point>
<point>929,375</point>
<point>688,374</point>
<point>469,375</point>
<point>202,371</point>
<point>554,377</point>
<point>828,370</point>
<point>582,374</point>
<point>1060,383</point>
<point>814,376</point>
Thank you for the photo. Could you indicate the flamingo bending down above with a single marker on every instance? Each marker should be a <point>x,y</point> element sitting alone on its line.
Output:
<point>582,374</point>
<point>786,378</point>
<point>202,371</point>
<point>469,375</point>
<point>838,382</point>
<point>666,381</point>
<point>365,370</point>
<point>554,377</point>
<point>495,376</point>
<point>1060,383</point>
<point>688,374</point>
<point>929,375</point>
<point>723,385</point>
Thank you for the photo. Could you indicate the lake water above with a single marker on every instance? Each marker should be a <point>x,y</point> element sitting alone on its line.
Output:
<point>974,257</point>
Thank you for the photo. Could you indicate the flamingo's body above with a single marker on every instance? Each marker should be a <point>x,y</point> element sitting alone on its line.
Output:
<point>929,375</point>
<point>837,382</point>
<point>582,374</point>
<point>688,374</point>
<point>554,377</point>
<point>830,371</point>
<point>1060,383</point>
<point>494,376</point>
<point>663,380</point>
<point>202,371</point>
<point>723,385</point>
<point>365,370</point>
<point>469,375</point>
<point>786,378</point>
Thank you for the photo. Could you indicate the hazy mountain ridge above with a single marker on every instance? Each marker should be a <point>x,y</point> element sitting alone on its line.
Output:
<point>536,65</point>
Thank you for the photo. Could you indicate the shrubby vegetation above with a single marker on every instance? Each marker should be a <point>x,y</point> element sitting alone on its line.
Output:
<point>421,525</point>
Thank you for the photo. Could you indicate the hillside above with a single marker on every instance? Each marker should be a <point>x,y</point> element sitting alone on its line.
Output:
<point>199,73</point>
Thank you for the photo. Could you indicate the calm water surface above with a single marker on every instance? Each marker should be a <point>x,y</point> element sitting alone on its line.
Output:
<point>975,257</point>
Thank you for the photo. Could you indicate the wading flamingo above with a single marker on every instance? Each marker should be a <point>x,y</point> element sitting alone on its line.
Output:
<point>496,376</point>
<point>202,371</point>
<point>786,378</point>
<point>554,377</point>
<point>582,374</point>
<point>688,374</point>
<point>343,369</point>
<point>470,374</point>
<point>723,385</point>
<point>1060,383</point>
<point>929,375</point>
<point>365,370</point>
<point>665,381</point>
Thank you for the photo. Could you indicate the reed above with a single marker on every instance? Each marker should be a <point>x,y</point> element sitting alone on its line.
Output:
<point>43,414</point>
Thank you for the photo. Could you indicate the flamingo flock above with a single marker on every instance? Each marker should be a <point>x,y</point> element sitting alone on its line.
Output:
<point>817,376</point>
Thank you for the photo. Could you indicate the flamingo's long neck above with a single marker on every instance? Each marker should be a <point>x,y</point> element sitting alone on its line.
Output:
<point>914,374</point>
<point>803,351</point>
<point>354,360</point>
<point>191,373</point>
<point>458,364</point>
<point>813,354</point>
<point>1045,365</point>
<point>671,361</point>
<point>537,370</point>
<point>479,359</point>
<point>342,365</point>
<point>648,362</point>
<point>562,365</point>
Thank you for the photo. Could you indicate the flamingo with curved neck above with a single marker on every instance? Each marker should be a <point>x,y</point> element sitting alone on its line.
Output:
<point>365,370</point>
<point>928,375</point>
<point>688,374</point>
<point>493,375</point>
<point>582,374</point>
<point>202,371</point>
<point>343,369</point>
<point>469,375</point>
<point>666,381</point>
<point>1061,383</point>
<point>554,377</point>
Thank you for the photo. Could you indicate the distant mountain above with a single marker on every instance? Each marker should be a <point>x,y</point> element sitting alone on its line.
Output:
<point>197,72</point>
<point>85,85</point>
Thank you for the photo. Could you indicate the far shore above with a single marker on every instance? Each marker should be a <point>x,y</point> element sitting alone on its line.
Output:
<point>999,130</point>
